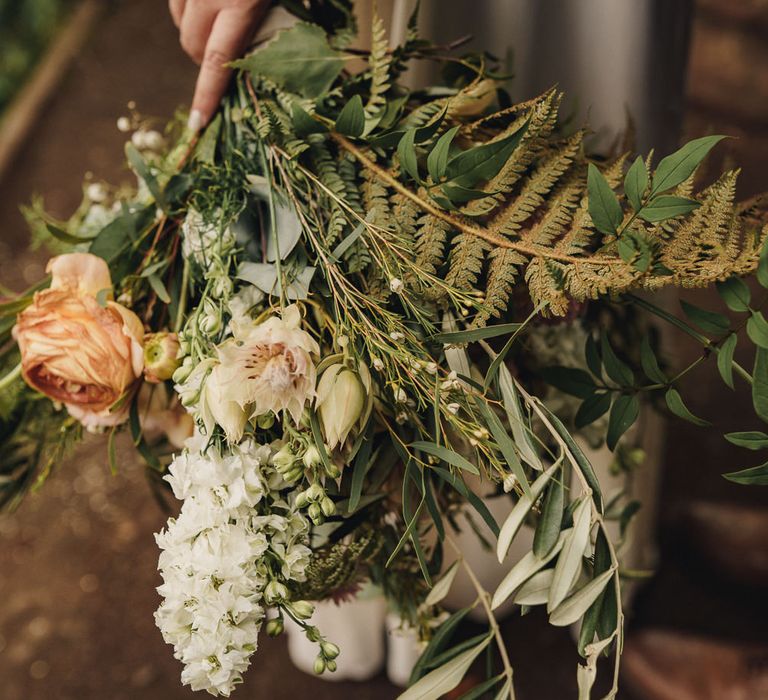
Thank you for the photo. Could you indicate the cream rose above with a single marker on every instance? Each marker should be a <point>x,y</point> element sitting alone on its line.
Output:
<point>268,367</point>
<point>73,349</point>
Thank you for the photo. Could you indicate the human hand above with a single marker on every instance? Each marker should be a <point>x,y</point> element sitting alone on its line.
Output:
<point>213,33</point>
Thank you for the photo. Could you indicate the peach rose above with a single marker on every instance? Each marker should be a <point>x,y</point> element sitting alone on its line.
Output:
<point>76,351</point>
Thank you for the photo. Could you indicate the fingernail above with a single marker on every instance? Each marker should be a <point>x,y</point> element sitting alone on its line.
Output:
<point>195,121</point>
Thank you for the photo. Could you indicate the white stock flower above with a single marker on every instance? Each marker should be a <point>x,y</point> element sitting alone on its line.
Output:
<point>268,366</point>
<point>214,560</point>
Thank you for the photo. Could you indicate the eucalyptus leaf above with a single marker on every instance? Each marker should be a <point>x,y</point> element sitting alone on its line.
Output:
<point>441,588</point>
<point>482,162</point>
<point>569,561</point>
<point>444,679</point>
<point>287,225</point>
<point>616,370</point>
<point>569,380</point>
<point>593,407</point>
<point>755,476</point>
<point>708,321</point>
<point>725,359</point>
<point>573,608</point>
<point>604,208</point>
<point>406,154</point>
<point>471,335</point>
<point>298,59</point>
<point>535,591</point>
<point>548,528</point>
<point>757,329</point>
<point>751,439</point>
<point>264,277</point>
<point>351,119</point>
<point>677,167</point>
<point>760,383</point>
<point>518,514</point>
<point>636,182</point>
<point>667,207</point>
<point>521,432</point>
<point>735,293</point>
<point>676,404</point>
<point>524,569</point>
<point>446,455</point>
<point>437,160</point>
<point>437,643</point>
<point>624,413</point>
<point>649,362</point>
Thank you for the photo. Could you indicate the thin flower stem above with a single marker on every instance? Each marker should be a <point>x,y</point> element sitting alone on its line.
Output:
<point>484,597</point>
<point>11,377</point>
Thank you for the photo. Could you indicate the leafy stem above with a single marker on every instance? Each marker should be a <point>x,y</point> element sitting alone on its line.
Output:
<point>484,598</point>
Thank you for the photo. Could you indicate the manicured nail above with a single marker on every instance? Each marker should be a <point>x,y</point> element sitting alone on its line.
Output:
<point>195,121</point>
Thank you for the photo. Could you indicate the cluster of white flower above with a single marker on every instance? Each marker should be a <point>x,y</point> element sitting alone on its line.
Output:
<point>233,539</point>
<point>205,241</point>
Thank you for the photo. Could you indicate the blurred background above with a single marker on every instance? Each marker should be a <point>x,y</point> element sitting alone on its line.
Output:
<point>78,559</point>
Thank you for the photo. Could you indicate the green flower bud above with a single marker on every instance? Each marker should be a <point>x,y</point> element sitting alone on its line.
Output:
<point>330,650</point>
<point>301,500</point>
<point>266,420</point>
<point>315,514</point>
<point>284,459</point>
<point>183,371</point>
<point>275,627</point>
<point>274,592</point>
<point>315,492</point>
<point>311,457</point>
<point>333,471</point>
<point>161,351</point>
<point>319,666</point>
<point>328,507</point>
<point>302,609</point>
<point>330,665</point>
<point>342,401</point>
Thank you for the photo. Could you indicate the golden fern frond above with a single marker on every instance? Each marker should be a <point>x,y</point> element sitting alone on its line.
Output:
<point>542,119</point>
<point>503,271</point>
<point>536,187</point>
<point>378,62</point>
<point>466,263</point>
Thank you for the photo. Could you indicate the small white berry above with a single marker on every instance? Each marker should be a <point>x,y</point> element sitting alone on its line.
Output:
<point>397,335</point>
<point>401,396</point>
<point>124,124</point>
<point>378,364</point>
<point>453,408</point>
<point>431,367</point>
<point>96,192</point>
<point>396,285</point>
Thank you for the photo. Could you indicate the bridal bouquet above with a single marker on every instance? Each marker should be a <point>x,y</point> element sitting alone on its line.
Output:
<point>348,312</point>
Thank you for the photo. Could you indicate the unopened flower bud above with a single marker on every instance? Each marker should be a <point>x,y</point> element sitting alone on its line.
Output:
<point>311,457</point>
<point>124,124</point>
<point>378,364</point>
<point>342,397</point>
<point>328,507</point>
<point>274,592</point>
<point>315,492</point>
<point>333,471</point>
<point>302,609</point>
<point>161,351</point>
<point>265,421</point>
<point>319,666</point>
<point>330,665</point>
<point>284,458</point>
<point>182,373</point>
<point>330,650</point>
<point>275,627</point>
<point>396,285</point>
<point>315,514</point>
<point>301,500</point>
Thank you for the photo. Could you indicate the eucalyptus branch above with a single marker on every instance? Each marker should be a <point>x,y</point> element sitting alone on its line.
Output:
<point>484,598</point>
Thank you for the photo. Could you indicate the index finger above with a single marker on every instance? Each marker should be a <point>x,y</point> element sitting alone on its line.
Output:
<point>228,38</point>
